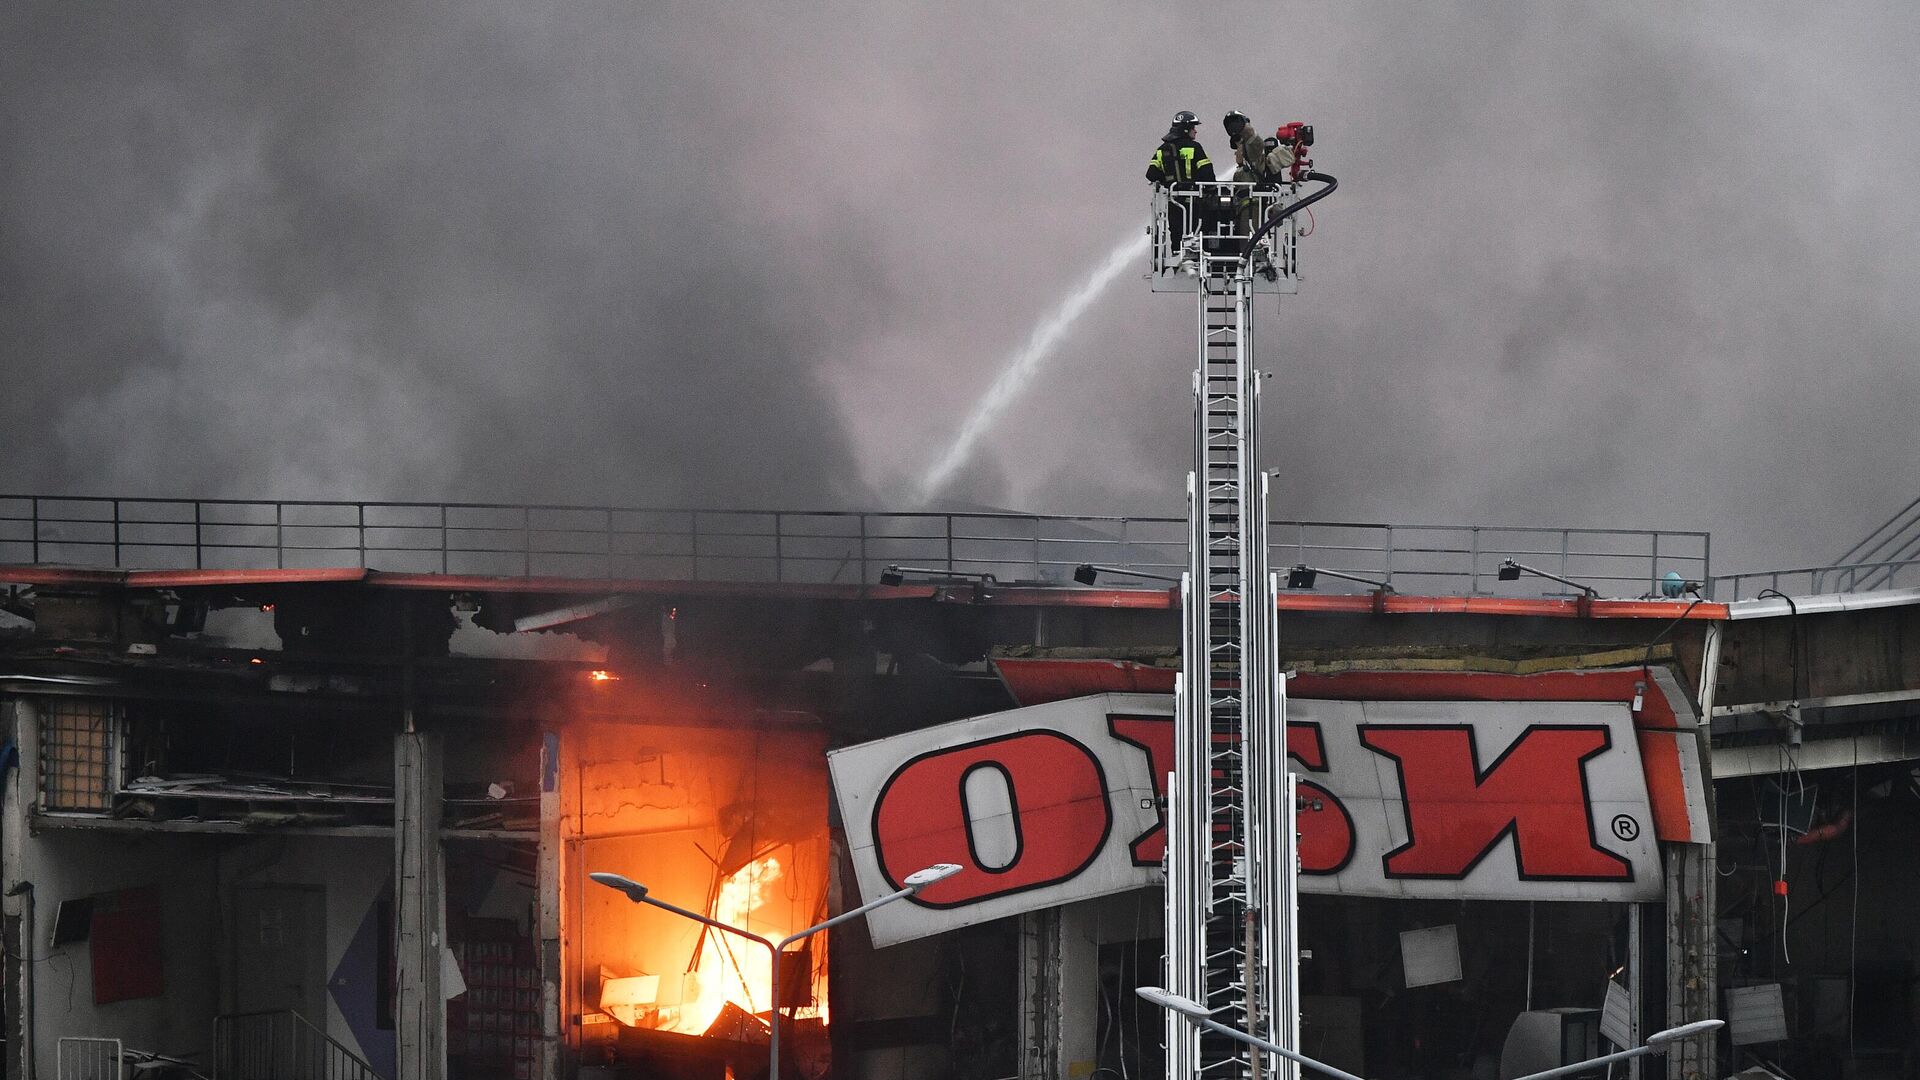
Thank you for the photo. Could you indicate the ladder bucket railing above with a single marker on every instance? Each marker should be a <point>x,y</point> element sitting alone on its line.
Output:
<point>281,1045</point>
<point>1201,230</point>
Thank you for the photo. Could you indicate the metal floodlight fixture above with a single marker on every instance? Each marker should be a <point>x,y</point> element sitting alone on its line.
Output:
<point>894,575</point>
<point>1301,576</point>
<point>1673,586</point>
<point>1088,573</point>
<point>1511,571</point>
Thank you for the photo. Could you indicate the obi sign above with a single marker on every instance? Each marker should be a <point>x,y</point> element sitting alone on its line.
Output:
<point>1544,800</point>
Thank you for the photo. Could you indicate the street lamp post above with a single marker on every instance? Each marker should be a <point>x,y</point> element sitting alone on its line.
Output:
<point>1656,1044</point>
<point>637,893</point>
<point>1197,1013</point>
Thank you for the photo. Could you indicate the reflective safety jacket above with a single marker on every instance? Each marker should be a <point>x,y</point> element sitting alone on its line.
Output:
<point>1179,160</point>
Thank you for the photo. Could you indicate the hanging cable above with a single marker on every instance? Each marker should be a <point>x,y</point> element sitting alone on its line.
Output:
<point>1292,208</point>
<point>1780,886</point>
<point>1853,925</point>
<point>1646,660</point>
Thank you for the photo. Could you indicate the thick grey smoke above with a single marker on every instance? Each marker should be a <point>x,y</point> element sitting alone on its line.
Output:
<point>312,251</point>
<point>1590,265</point>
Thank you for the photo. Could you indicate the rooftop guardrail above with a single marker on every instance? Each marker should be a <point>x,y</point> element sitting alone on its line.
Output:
<point>509,540</point>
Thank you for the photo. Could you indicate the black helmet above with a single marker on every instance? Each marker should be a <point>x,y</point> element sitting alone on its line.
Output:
<point>1185,119</point>
<point>1234,121</point>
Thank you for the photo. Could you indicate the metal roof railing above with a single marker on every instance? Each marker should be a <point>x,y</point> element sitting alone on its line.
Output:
<point>531,540</point>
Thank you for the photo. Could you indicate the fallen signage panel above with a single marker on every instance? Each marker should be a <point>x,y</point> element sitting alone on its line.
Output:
<point>1044,805</point>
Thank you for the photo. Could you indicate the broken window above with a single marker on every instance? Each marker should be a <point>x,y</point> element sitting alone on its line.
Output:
<point>79,744</point>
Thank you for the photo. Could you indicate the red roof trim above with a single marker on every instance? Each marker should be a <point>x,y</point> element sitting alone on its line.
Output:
<point>742,589</point>
<point>1363,603</point>
<point>61,575</point>
<point>1036,680</point>
<point>166,579</point>
<point>1147,599</point>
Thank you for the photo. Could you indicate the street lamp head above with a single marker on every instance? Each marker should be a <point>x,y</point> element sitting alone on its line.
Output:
<point>920,879</point>
<point>635,891</point>
<point>1684,1031</point>
<point>1086,573</point>
<point>1173,1002</point>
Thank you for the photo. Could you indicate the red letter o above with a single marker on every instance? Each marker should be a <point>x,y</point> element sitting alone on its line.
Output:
<point>1059,813</point>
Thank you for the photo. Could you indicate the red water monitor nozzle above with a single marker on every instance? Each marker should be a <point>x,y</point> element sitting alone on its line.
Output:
<point>1296,136</point>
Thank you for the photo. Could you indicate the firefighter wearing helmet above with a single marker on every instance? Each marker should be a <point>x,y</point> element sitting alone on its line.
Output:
<point>1252,164</point>
<point>1179,164</point>
<point>1179,161</point>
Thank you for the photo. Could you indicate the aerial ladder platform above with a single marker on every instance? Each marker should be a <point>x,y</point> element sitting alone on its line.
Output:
<point>1232,864</point>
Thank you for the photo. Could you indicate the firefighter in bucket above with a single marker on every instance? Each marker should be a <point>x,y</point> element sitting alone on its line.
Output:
<point>1180,164</point>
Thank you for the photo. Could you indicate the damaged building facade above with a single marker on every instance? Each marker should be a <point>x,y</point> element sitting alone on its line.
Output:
<point>339,821</point>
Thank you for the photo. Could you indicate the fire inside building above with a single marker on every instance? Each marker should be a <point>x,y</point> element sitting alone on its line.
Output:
<point>340,822</point>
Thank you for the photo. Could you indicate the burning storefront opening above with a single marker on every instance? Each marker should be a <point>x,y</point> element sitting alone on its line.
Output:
<point>727,823</point>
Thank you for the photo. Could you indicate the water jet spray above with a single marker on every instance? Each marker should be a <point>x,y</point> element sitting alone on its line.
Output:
<point>1025,363</point>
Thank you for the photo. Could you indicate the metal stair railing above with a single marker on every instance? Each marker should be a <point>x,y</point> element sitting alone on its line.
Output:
<point>281,1045</point>
<point>1815,580</point>
<point>1873,561</point>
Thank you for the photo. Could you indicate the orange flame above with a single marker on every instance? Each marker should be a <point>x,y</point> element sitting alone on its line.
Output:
<point>730,968</point>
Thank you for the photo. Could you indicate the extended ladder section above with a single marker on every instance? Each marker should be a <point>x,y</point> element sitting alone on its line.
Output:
<point>1231,863</point>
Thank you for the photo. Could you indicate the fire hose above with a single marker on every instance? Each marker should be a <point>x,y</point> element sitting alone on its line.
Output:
<point>1288,211</point>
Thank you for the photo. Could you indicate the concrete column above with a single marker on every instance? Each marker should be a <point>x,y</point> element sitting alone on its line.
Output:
<point>1059,993</point>
<point>552,1045</point>
<point>1039,981</point>
<point>420,909</point>
<point>1079,990</point>
<point>16,883</point>
<point>1693,957</point>
<point>1636,984</point>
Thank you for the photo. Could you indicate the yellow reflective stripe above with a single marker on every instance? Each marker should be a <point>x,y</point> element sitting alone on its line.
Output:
<point>1202,161</point>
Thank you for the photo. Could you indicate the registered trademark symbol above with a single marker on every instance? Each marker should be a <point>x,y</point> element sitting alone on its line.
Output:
<point>1625,827</point>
